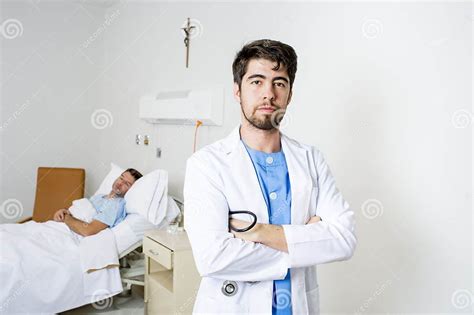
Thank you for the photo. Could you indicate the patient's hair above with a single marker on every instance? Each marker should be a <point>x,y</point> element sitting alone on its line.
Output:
<point>136,174</point>
<point>267,49</point>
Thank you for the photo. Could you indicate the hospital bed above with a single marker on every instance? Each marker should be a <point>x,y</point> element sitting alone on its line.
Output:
<point>68,285</point>
<point>42,263</point>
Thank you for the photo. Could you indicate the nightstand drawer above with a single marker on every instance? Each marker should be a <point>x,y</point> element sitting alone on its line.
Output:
<point>158,252</point>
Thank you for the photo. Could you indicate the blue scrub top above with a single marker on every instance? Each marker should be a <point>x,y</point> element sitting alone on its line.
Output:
<point>109,211</point>
<point>274,180</point>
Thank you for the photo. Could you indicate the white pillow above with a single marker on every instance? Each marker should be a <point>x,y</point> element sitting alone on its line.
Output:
<point>148,196</point>
<point>106,186</point>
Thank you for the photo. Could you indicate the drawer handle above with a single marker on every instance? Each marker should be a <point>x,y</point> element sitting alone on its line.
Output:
<point>154,252</point>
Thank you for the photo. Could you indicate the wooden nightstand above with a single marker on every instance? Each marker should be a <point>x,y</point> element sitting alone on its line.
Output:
<point>171,277</point>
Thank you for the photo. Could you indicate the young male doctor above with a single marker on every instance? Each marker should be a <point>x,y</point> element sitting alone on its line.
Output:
<point>302,218</point>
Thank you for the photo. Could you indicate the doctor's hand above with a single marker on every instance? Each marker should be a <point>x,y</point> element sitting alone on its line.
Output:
<point>271,235</point>
<point>250,235</point>
<point>314,219</point>
<point>60,215</point>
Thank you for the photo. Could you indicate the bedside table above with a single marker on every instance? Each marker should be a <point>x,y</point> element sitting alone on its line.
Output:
<point>171,277</point>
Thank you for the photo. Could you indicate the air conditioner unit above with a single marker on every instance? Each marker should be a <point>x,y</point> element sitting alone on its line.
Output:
<point>184,107</point>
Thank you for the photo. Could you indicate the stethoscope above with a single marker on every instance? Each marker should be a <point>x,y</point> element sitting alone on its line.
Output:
<point>254,217</point>
<point>230,288</point>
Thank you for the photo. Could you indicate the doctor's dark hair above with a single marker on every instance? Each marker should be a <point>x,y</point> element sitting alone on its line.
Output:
<point>268,49</point>
<point>136,174</point>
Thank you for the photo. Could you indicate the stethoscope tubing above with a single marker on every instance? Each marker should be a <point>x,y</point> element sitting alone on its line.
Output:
<point>243,212</point>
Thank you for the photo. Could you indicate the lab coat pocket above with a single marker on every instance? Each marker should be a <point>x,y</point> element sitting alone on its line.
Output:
<point>312,297</point>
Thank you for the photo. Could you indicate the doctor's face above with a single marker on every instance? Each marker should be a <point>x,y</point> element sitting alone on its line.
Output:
<point>264,94</point>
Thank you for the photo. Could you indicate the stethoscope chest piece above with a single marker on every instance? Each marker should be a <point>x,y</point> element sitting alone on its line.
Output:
<point>229,288</point>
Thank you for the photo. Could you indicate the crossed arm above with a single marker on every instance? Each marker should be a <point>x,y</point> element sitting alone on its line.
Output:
<point>271,235</point>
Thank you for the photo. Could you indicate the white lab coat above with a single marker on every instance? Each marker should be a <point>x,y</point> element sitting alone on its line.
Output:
<point>221,177</point>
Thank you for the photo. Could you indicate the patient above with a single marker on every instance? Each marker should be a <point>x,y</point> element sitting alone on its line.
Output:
<point>110,208</point>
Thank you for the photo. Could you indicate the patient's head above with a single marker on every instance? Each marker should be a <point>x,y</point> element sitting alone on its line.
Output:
<point>123,183</point>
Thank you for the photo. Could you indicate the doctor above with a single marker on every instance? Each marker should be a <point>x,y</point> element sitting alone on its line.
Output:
<point>302,217</point>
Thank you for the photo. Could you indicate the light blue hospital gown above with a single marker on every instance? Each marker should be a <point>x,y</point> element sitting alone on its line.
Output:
<point>274,180</point>
<point>109,211</point>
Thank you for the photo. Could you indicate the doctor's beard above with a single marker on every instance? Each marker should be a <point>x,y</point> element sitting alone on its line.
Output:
<point>269,122</point>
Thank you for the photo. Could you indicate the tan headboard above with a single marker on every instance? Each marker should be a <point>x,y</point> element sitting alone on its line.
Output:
<point>56,188</point>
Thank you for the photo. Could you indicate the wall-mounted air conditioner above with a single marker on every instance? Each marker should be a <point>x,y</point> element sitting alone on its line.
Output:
<point>184,107</point>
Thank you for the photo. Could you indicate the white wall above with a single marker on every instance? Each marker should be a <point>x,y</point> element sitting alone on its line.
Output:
<point>48,95</point>
<point>378,89</point>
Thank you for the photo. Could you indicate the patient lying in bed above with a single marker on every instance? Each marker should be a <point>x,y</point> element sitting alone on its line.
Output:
<point>110,208</point>
<point>51,267</point>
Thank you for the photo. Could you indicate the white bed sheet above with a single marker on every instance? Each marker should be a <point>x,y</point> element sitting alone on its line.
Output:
<point>40,264</point>
<point>40,270</point>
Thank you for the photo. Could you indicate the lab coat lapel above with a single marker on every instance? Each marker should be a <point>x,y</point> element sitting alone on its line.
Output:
<point>300,180</point>
<point>243,171</point>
